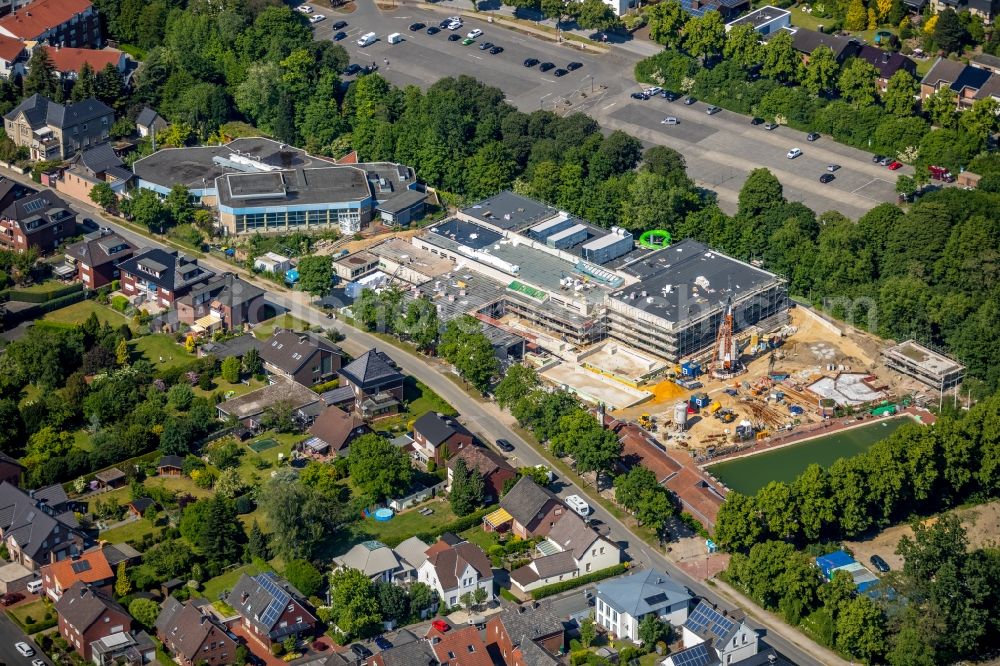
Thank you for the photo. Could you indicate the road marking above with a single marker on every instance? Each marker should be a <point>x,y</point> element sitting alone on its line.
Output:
<point>604,108</point>
<point>476,57</point>
<point>547,95</point>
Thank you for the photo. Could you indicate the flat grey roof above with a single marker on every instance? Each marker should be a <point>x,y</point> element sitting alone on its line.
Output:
<point>760,16</point>
<point>688,279</point>
<point>510,211</point>
<point>453,299</point>
<point>401,201</point>
<point>466,233</point>
<point>566,233</point>
<point>604,241</point>
<point>331,184</point>
<point>928,360</point>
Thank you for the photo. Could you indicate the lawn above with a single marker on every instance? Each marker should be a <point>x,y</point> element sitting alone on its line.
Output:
<point>36,610</point>
<point>230,390</point>
<point>161,346</point>
<point>419,400</point>
<point>131,532</point>
<point>266,328</point>
<point>248,468</point>
<point>77,313</point>
<point>216,586</point>
<point>480,537</point>
<point>42,287</point>
<point>406,524</point>
<point>181,485</point>
<point>81,440</point>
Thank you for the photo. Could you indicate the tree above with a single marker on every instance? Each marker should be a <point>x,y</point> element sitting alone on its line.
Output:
<point>464,345</point>
<point>906,186</point>
<point>393,601</point>
<point>213,528</point>
<point>940,106</point>
<point>743,46</point>
<point>378,468</point>
<point>355,608</point>
<point>704,36</point>
<point>178,204</point>
<point>422,597</point>
<point>900,94</point>
<point>949,32</point>
<point>180,397</point>
<point>598,452</point>
<point>981,120</point>
<point>421,324</point>
<point>42,78</point>
<point>653,630</point>
<point>108,86</point>
<point>252,364</point>
<point>316,274</point>
<point>230,369</point>
<point>102,195</point>
<point>558,9</point>
<point>145,208</point>
<point>177,135</point>
<point>861,630</point>
<point>820,74</point>
<point>145,611</point>
<point>857,16</point>
<point>858,82</point>
<point>588,631</point>
<point>760,192</point>
<point>595,15</point>
<point>517,382</point>
<point>304,577</point>
<point>258,546</point>
<point>123,583</point>
<point>122,352</point>
<point>467,489</point>
<point>780,61</point>
<point>85,86</point>
<point>666,20</point>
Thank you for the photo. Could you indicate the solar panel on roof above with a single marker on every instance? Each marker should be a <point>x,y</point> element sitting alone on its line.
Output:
<point>706,618</point>
<point>81,566</point>
<point>698,655</point>
<point>36,204</point>
<point>655,599</point>
<point>279,599</point>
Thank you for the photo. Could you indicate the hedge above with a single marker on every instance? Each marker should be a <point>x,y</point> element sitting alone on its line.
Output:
<point>456,526</point>
<point>42,296</point>
<point>508,595</point>
<point>37,310</point>
<point>556,588</point>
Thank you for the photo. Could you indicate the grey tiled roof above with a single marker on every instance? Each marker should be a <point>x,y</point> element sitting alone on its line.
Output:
<point>176,271</point>
<point>417,653</point>
<point>642,592</point>
<point>42,112</point>
<point>101,247</point>
<point>81,605</point>
<point>573,535</point>
<point>29,523</point>
<point>527,623</point>
<point>372,368</point>
<point>525,500</point>
<point>290,351</point>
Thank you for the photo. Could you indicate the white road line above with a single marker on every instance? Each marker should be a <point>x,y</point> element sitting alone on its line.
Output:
<point>547,95</point>
<point>476,57</point>
<point>603,108</point>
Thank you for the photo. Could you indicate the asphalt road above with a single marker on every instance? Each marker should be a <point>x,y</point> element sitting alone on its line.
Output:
<point>720,150</point>
<point>10,633</point>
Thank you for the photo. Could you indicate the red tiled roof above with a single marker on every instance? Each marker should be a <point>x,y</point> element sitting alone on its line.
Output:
<point>68,60</point>
<point>10,48</point>
<point>349,158</point>
<point>41,15</point>
<point>466,646</point>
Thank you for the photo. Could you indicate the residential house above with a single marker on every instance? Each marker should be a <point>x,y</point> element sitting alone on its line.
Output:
<point>223,349</point>
<point>530,510</point>
<point>494,469</point>
<point>806,41</point>
<point>251,407</point>
<point>121,552</point>
<point>87,615</point>
<point>453,570</point>
<point>438,438</point>
<point>375,560</point>
<point>149,122</point>
<point>970,83</point>
<point>765,20</point>
<point>413,553</point>
<point>376,382</point>
<point>333,430</point>
<point>161,277</point>
<point>527,636</point>
<point>984,9</point>
<point>90,568</point>
<point>221,303</point>
<point>272,262</point>
<point>72,23</point>
<point>35,531</point>
<point>68,61</point>
<point>461,647</point>
<point>986,61</point>
<point>411,653</point>
<point>193,635</point>
<point>41,220</point>
<point>300,357</point>
<point>12,57</point>
<point>55,500</point>
<point>97,256</point>
<point>623,602</point>
<point>571,549</point>
<point>97,164</point>
<point>887,63</point>
<point>52,131</point>
<point>720,637</point>
<point>123,649</point>
<point>10,470</point>
<point>170,466</point>
<point>271,609</point>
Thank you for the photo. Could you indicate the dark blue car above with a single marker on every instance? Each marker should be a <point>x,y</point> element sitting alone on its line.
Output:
<point>382,643</point>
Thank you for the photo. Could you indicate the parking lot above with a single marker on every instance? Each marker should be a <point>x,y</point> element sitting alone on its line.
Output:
<point>720,150</point>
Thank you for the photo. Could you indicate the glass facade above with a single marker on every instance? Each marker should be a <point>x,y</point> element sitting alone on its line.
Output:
<point>250,222</point>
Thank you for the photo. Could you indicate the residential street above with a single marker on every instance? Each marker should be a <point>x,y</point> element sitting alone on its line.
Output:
<point>10,633</point>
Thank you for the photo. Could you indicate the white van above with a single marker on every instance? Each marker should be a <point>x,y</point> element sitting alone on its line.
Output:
<point>395,38</point>
<point>367,39</point>
<point>35,586</point>
<point>578,504</point>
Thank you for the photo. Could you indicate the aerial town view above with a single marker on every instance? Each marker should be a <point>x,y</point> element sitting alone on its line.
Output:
<point>499,332</point>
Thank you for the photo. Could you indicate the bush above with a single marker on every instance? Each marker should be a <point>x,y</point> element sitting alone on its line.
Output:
<point>580,581</point>
<point>456,526</point>
<point>119,303</point>
<point>277,649</point>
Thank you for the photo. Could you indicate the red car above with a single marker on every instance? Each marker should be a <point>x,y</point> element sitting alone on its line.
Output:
<point>894,165</point>
<point>11,598</point>
<point>441,625</point>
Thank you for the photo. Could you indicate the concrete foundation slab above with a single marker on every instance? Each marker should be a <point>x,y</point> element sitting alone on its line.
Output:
<point>594,388</point>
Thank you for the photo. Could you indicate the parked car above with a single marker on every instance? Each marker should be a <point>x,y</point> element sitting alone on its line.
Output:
<point>415,27</point>
<point>485,46</point>
<point>339,25</point>
<point>812,136</point>
<point>669,120</point>
<point>879,563</point>
<point>360,651</point>
<point>305,9</point>
<point>504,445</point>
<point>770,126</point>
<point>37,662</point>
<point>560,72</point>
<point>11,598</point>
<point>712,110</point>
<point>433,30</point>
<point>446,22</point>
<point>895,165</point>
<point>454,37</point>
<point>877,158</point>
<point>441,625</point>
<point>639,95</point>
<point>454,25</point>
<point>886,161</point>
<point>496,50</point>
<point>474,33</point>
<point>339,36</point>
<point>756,121</point>
<point>826,178</point>
<point>573,66</point>
<point>793,153</point>
<point>382,642</point>
<point>530,62</point>
<point>89,224</point>
<point>352,69</point>
<point>317,18</point>
<point>546,66</point>
<point>689,100</point>
<point>24,648</point>
<point>832,167</point>
<point>669,96</point>
<point>655,90</point>
<point>467,41</point>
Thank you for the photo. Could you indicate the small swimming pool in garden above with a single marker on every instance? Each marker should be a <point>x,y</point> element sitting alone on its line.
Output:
<point>382,515</point>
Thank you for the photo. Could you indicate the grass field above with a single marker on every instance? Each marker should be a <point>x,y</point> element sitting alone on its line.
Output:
<point>215,586</point>
<point>480,537</point>
<point>229,390</point>
<point>81,440</point>
<point>392,532</point>
<point>36,611</point>
<point>42,287</point>
<point>77,313</point>
<point>419,400</point>
<point>159,345</point>
<point>266,328</point>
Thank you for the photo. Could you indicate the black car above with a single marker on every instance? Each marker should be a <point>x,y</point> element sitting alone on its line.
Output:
<point>444,24</point>
<point>339,36</point>
<point>879,563</point>
<point>382,643</point>
<point>546,66</point>
<point>877,158</point>
<point>504,445</point>
<point>433,30</point>
<point>812,136</point>
<point>639,95</point>
<point>531,62</point>
<point>669,96</point>
<point>88,223</point>
<point>352,69</point>
<point>339,25</point>
<point>485,46</point>
<point>368,69</point>
<point>826,178</point>
<point>496,50</point>
<point>756,121</point>
<point>689,100</point>
<point>454,37</point>
<point>560,72</point>
<point>414,27</point>
<point>573,66</point>
<point>360,651</point>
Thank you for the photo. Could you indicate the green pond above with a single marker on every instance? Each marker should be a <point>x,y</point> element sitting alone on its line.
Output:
<point>748,475</point>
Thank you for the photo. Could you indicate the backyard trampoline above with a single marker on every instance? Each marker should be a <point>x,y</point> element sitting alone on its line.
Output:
<point>263,444</point>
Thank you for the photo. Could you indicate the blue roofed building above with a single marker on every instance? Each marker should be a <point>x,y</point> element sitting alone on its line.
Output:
<point>832,561</point>
<point>623,602</point>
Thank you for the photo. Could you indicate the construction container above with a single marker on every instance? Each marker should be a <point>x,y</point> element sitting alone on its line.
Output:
<point>714,407</point>
<point>886,410</point>
<point>690,369</point>
<point>777,396</point>
<point>778,376</point>
<point>795,409</point>
<point>681,415</point>
<point>701,400</point>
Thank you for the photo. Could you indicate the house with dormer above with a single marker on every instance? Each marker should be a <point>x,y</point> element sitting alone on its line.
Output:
<point>221,303</point>
<point>437,437</point>
<point>160,277</point>
<point>53,131</point>
<point>527,636</point>
<point>623,602</point>
<point>41,220</point>
<point>87,615</point>
<point>301,357</point>
<point>270,609</point>
<point>376,383</point>
<point>97,256</point>
<point>527,509</point>
<point>91,568</point>
<point>193,635</point>
<point>571,549</point>
<point>35,530</point>
<point>456,569</point>
<point>715,637</point>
